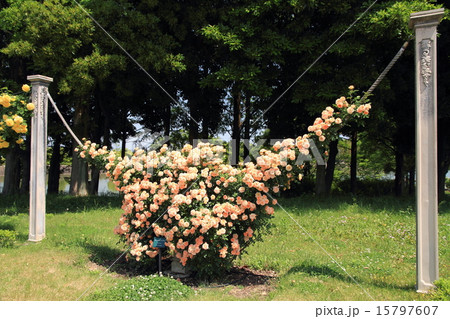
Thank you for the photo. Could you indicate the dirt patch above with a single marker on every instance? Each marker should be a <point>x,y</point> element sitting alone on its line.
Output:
<point>243,281</point>
<point>95,267</point>
<point>92,266</point>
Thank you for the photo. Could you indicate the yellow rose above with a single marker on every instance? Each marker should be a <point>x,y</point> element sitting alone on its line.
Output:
<point>30,106</point>
<point>26,88</point>
<point>4,144</point>
<point>351,87</point>
<point>19,141</point>
<point>18,119</point>
<point>5,100</point>
<point>9,122</point>
<point>17,128</point>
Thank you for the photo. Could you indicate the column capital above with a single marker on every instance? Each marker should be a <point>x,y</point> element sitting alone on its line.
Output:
<point>426,18</point>
<point>40,78</point>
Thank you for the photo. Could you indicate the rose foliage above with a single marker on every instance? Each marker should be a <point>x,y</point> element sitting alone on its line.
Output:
<point>207,210</point>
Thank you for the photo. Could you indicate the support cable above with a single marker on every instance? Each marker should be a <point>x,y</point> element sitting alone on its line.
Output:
<point>63,120</point>
<point>385,71</point>
<point>315,61</point>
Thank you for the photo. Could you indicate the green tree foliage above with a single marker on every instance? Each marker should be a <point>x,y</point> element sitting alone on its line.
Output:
<point>57,38</point>
<point>223,63</point>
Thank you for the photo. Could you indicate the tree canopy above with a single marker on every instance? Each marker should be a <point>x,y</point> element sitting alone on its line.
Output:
<point>200,69</point>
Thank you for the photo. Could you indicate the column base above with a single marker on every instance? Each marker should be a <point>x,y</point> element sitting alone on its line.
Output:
<point>36,238</point>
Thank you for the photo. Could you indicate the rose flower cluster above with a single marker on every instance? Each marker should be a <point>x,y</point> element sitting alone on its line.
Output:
<point>15,113</point>
<point>207,210</point>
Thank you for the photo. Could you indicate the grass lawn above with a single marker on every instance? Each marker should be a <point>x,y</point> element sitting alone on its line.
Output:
<point>79,232</point>
<point>373,239</point>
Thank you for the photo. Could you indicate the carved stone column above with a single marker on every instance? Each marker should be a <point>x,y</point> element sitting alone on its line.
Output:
<point>424,24</point>
<point>38,163</point>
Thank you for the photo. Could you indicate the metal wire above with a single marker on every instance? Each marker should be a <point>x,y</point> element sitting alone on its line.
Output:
<point>315,61</point>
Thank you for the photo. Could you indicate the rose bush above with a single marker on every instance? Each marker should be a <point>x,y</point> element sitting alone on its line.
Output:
<point>207,210</point>
<point>15,112</point>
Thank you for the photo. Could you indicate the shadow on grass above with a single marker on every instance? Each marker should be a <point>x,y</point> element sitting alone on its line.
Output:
<point>7,226</point>
<point>59,204</point>
<point>387,204</point>
<point>324,271</point>
<point>115,258</point>
<point>403,205</point>
<point>321,271</point>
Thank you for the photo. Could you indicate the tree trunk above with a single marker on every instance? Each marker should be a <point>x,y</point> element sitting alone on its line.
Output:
<point>236,134</point>
<point>443,158</point>
<point>354,162</point>
<point>105,118</point>
<point>12,171</point>
<point>193,126</point>
<point>167,120</point>
<point>331,164</point>
<point>320,180</point>
<point>54,171</point>
<point>79,175</point>
<point>398,183</point>
<point>206,122</point>
<point>95,179</point>
<point>25,159</point>
<point>247,127</point>
<point>124,144</point>
<point>442,173</point>
<point>412,181</point>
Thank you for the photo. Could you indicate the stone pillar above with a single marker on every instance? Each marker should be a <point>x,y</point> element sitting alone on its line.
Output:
<point>424,24</point>
<point>38,163</point>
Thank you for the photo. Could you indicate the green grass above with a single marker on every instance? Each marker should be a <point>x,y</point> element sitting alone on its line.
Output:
<point>373,239</point>
<point>79,232</point>
<point>145,288</point>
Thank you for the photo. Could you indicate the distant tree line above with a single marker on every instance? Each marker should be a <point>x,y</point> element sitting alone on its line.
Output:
<point>222,64</point>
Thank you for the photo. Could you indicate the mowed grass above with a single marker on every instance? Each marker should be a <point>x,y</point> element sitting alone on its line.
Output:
<point>61,267</point>
<point>342,248</point>
<point>338,248</point>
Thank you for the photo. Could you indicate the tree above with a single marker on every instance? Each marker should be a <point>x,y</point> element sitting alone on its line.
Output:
<point>252,39</point>
<point>360,56</point>
<point>394,124</point>
<point>57,38</point>
<point>45,36</point>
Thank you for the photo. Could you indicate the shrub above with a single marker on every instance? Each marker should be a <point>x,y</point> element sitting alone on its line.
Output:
<point>149,288</point>
<point>442,290</point>
<point>207,210</point>
<point>15,114</point>
<point>7,238</point>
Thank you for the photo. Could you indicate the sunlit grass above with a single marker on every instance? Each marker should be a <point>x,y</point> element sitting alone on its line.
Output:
<point>58,267</point>
<point>373,239</point>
